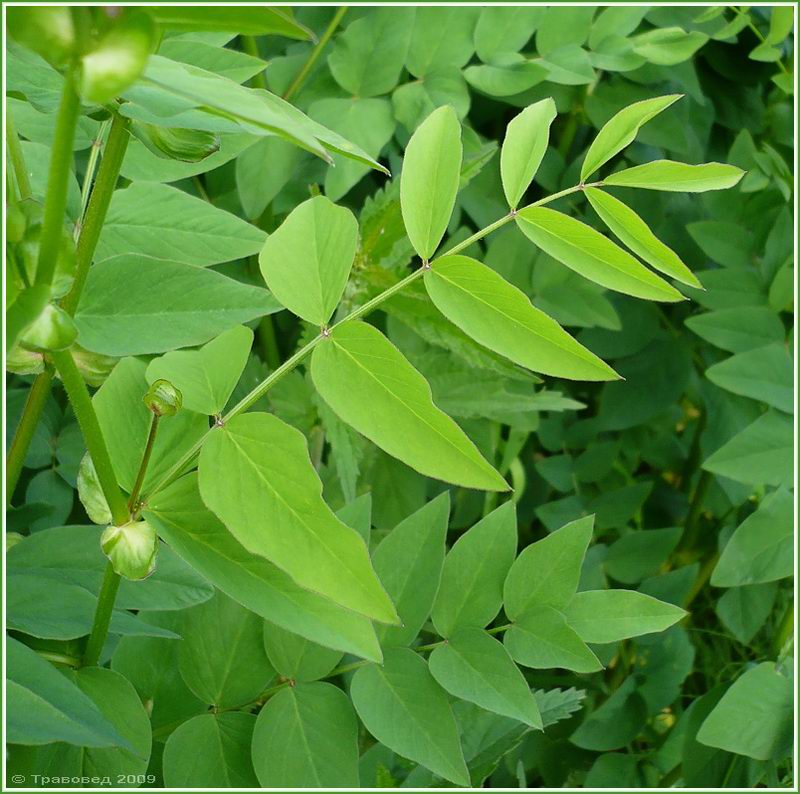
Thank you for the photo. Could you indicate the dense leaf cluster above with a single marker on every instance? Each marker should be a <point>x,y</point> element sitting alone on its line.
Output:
<point>400,396</point>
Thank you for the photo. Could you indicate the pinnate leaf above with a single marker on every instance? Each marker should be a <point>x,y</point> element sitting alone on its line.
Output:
<point>306,736</point>
<point>371,386</point>
<point>255,474</point>
<point>471,590</point>
<point>679,177</point>
<point>429,180</point>
<point>474,666</point>
<point>306,262</point>
<point>621,129</point>
<point>589,253</point>
<point>611,615</point>
<point>631,230</point>
<point>498,315</point>
<point>404,708</point>
<point>526,140</point>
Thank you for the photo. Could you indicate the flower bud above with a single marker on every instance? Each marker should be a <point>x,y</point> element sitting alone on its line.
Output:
<point>91,494</point>
<point>24,362</point>
<point>163,399</point>
<point>52,330</point>
<point>118,59</point>
<point>173,143</point>
<point>131,548</point>
<point>95,367</point>
<point>48,31</point>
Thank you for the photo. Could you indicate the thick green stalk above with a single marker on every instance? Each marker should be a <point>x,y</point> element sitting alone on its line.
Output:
<point>102,616</point>
<point>148,451</point>
<point>34,405</point>
<point>17,159</point>
<point>259,391</point>
<point>92,222</point>
<point>55,203</point>
<point>92,434</point>
<point>315,53</point>
<point>91,226</point>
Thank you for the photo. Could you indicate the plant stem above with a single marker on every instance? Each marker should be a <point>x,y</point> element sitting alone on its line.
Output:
<point>298,81</point>
<point>259,391</point>
<point>695,511</point>
<point>250,46</point>
<point>102,616</point>
<point>90,233</point>
<point>34,405</point>
<point>92,434</point>
<point>17,159</point>
<point>55,202</point>
<point>148,451</point>
<point>88,177</point>
<point>784,630</point>
<point>100,198</point>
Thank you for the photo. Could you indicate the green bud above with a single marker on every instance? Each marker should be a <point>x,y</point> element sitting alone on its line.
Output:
<point>91,494</point>
<point>132,549</point>
<point>163,399</point>
<point>47,30</point>
<point>53,329</point>
<point>173,143</point>
<point>118,59</point>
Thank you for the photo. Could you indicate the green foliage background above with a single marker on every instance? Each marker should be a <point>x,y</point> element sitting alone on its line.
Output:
<point>686,464</point>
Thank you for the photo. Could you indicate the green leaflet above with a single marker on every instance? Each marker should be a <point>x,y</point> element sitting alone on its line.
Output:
<point>527,136</point>
<point>760,454</point>
<point>296,657</point>
<point>221,656</point>
<point>160,221</point>
<point>116,698</point>
<point>409,562</point>
<point>501,317</point>
<point>740,329</point>
<point>134,305</point>
<point>620,130</point>
<point>206,377</point>
<point>474,666</point>
<point>403,707</point>
<point>611,615</point>
<point>754,717</point>
<point>547,572</point>
<point>368,56</point>
<point>429,180</point>
<point>586,251</point>
<point>255,474</point>
<point>616,723</point>
<point>631,230</point>
<point>45,706</point>
<point>306,261</point>
<point>125,422</point>
<point>540,638</point>
<point>211,750</point>
<point>681,177</point>
<point>260,21</point>
<point>306,736</point>
<point>760,550</point>
<point>203,542</point>
<point>371,386</point>
<point>765,374</point>
<point>471,590</point>
<point>504,29</point>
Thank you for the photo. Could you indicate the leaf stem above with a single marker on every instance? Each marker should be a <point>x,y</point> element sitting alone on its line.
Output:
<point>250,47</point>
<point>17,159</point>
<point>55,203</point>
<point>97,208</point>
<point>88,177</point>
<point>148,451</point>
<point>92,434</point>
<point>34,405</point>
<point>298,81</point>
<point>259,391</point>
<point>102,616</point>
